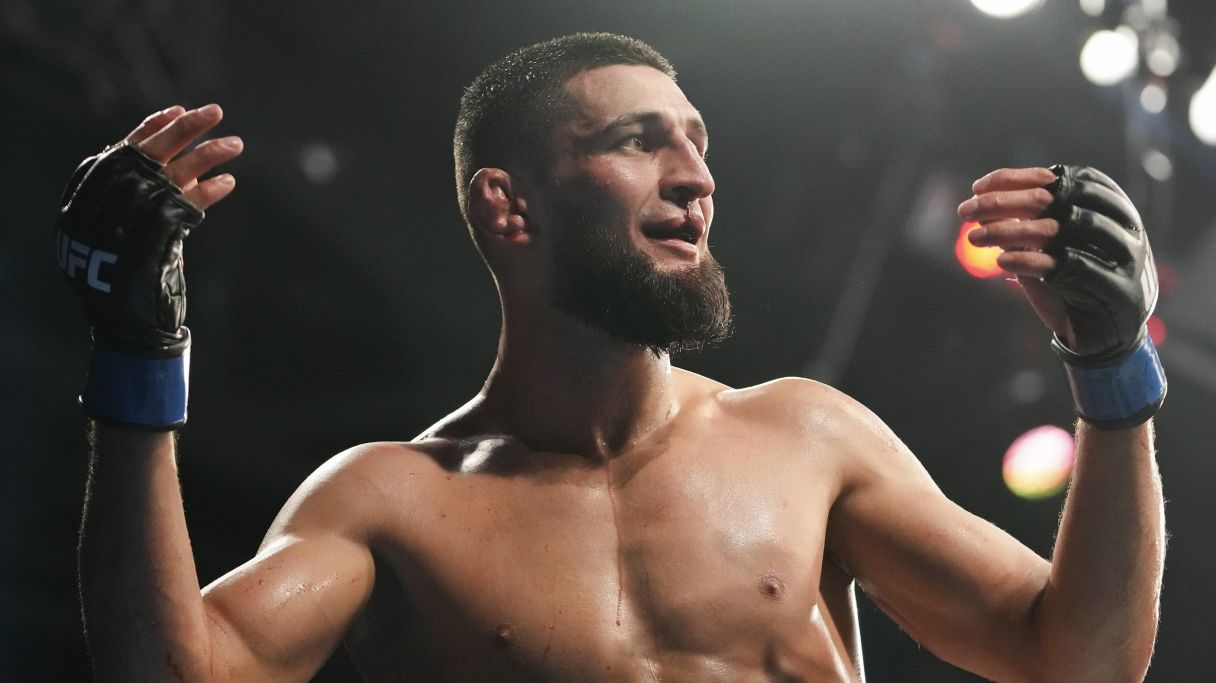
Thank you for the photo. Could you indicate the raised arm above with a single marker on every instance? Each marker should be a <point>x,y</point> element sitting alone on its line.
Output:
<point>968,591</point>
<point>977,597</point>
<point>126,214</point>
<point>275,618</point>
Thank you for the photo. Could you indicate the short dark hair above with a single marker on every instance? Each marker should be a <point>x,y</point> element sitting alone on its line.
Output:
<point>508,112</point>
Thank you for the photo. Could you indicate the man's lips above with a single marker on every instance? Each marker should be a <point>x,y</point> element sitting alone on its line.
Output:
<point>687,228</point>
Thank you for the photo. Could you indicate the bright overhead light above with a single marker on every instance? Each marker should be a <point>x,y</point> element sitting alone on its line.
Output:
<point>1203,111</point>
<point>1110,56</point>
<point>1006,9</point>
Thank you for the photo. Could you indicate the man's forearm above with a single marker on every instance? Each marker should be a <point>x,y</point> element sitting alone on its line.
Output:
<point>143,611</point>
<point>1098,615</point>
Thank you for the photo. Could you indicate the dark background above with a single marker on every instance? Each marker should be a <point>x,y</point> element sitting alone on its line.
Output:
<point>335,298</point>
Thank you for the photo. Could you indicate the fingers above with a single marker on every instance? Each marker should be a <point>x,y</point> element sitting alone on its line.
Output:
<point>166,133</point>
<point>1031,264</point>
<point>185,170</point>
<point>1005,204</point>
<point>1021,242</point>
<point>1013,179</point>
<point>180,132</point>
<point>1031,234</point>
<point>210,191</point>
<point>154,123</point>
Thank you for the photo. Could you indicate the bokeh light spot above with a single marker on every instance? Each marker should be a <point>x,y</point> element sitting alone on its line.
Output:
<point>979,261</point>
<point>319,162</point>
<point>1202,111</point>
<point>1156,329</point>
<point>1153,98</point>
<point>1093,8</point>
<point>1110,56</point>
<point>1027,386</point>
<point>1039,462</point>
<point>1006,9</point>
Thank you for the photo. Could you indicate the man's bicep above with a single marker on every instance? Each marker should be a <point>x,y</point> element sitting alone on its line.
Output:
<point>959,585</point>
<point>280,615</point>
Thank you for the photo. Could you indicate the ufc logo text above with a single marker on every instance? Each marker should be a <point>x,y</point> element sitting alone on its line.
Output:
<point>74,257</point>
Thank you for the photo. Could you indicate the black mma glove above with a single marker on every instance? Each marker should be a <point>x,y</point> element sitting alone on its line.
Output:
<point>1108,282</point>
<point>119,244</point>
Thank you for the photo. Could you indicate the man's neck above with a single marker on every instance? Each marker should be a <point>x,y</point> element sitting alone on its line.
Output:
<point>560,386</point>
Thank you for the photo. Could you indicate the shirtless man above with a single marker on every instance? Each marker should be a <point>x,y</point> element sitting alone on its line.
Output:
<point>594,514</point>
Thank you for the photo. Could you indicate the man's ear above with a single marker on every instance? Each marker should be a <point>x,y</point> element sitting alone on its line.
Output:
<point>496,209</point>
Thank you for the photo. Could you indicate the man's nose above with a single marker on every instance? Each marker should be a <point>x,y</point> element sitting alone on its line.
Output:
<point>686,177</point>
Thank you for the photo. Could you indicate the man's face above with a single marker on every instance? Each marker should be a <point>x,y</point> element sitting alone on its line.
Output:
<point>628,209</point>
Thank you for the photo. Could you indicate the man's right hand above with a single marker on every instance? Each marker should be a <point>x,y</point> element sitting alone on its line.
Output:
<point>164,134</point>
<point>125,215</point>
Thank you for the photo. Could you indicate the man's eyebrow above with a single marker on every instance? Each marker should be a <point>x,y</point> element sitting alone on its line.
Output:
<point>651,118</point>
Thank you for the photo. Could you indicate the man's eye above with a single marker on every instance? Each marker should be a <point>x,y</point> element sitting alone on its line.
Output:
<point>633,142</point>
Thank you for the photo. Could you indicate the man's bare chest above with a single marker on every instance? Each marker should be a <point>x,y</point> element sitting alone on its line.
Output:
<point>628,568</point>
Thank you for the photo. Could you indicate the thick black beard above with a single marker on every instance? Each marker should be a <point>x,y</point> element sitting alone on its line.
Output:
<point>599,280</point>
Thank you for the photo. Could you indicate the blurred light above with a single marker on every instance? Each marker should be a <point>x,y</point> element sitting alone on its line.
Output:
<point>1135,17</point>
<point>318,162</point>
<point>1039,462</point>
<point>1163,54</point>
<point>1203,111</point>
<point>1093,8</point>
<point>1006,9</point>
<point>979,261</point>
<point>1167,279</point>
<point>1153,98</point>
<point>1027,386</point>
<point>1154,8</point>
<point>1110,56</point>
<point>1156,329</point>
<point>1157,165</point>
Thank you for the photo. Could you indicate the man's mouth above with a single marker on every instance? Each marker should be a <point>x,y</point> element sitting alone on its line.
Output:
<point>687,229</point>
<point>686,233</point>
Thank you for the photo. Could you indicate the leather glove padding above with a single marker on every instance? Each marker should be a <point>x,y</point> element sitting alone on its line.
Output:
<point>1105,272</point>
<point>120,234</point>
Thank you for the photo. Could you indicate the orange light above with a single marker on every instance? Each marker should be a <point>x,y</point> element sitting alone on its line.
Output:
<point>1156,329</point>
<point>979,261</point>
<point>1039,462</point>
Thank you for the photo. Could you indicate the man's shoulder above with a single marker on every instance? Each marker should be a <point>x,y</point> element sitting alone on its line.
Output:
<point>786,397</point>
<point>808,411</point>
<point>349,491</point>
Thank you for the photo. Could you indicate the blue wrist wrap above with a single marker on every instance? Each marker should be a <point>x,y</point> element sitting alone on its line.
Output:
<point>1122,394</point>
<point>137,391</point>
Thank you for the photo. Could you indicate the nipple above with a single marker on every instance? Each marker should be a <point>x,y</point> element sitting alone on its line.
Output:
<point>772,587</point>
<point>503,635</point>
